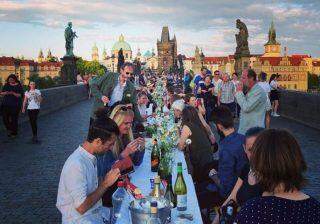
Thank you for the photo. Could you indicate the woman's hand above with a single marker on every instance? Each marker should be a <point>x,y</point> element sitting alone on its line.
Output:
<point>132,147</point>
<point>212,139</point>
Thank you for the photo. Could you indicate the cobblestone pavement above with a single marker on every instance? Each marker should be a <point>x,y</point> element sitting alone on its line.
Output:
<point>30,173</point>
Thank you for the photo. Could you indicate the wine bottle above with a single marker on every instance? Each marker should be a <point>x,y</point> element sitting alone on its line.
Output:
<point>180,189</point>
<point>155,158</point>
<point>169,195</point>
<point>156,192</point>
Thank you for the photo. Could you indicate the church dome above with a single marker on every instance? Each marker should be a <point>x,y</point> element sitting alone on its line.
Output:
<point>121,44</point>
<point>147,54</point>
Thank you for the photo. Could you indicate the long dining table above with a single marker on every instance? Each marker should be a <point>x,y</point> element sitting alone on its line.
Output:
<point>141,178</point>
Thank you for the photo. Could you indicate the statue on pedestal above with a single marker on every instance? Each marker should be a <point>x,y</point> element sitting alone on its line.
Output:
<point>69,36</point>
<point>242,39</point>
<point>69,67</point>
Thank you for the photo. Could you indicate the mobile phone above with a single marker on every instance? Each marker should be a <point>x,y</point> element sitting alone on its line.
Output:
<point>124,165</point>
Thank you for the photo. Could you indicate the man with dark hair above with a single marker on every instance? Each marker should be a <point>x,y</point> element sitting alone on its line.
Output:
<point>142,104</point>
<point>199,79</point>
<point>79,195</point>
<point>253,104</point>
<point>231,155</point>
<point>112,88</point>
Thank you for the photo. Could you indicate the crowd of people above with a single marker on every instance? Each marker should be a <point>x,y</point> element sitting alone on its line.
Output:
<point>257,170</point>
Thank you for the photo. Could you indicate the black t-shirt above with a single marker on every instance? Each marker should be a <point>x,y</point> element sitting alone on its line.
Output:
<point>247,191</point>
<point>208,96</point>
<point>11,100</point>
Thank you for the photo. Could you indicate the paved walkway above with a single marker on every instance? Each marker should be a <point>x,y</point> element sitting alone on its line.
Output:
<point>30,173</point>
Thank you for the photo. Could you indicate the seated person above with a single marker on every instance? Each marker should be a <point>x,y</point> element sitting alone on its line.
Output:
<point>200,151</point>
<point>278,164</point>
<point>124,146</point>
<point>246,186</point>
<point>79,195</point>
<point>178,107</point>
<point>232,157</point>
<point>142,104</point>
<point>191,100</point>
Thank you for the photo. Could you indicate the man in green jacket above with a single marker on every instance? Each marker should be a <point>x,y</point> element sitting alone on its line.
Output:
<point>112,88</point>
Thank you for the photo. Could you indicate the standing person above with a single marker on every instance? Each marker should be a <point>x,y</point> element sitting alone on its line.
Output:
<point>112,88</point>
<point>207,89</point>
<point>33,98</point>
<point>79,194</point>
<point>226,93</point>
<point>279,167</point>
<point>274,94</point>
<point>235,81</point>
<point>12,93</point>
<point>253,104</point>
<point>266,87</point>
<point>186,82</point>
<point>198,80</point>
<point>216,83</point>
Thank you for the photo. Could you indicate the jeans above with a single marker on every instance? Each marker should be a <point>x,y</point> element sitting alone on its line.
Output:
<point>10,116</point>
<point>33,116</point>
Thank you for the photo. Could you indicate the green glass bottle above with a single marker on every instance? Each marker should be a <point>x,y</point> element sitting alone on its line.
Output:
<point>180,189</point>
<point>169,195</point>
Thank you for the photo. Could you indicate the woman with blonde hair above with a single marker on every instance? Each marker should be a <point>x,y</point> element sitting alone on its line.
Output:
<point>125,146</point>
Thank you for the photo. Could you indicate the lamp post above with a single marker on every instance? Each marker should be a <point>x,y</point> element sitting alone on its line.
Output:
<point>112,61</point>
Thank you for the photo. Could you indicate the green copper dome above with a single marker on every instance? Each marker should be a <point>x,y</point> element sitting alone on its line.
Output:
<point>147,54</point>
<point>121,44</point>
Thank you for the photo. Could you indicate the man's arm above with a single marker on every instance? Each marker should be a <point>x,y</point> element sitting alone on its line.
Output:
<point>225,173</point>
<point>248,104</point>
<point>95,86</point>
<point>76,184</point>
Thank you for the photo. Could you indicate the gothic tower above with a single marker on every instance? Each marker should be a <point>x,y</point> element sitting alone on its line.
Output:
<point>272,48</point>
<point>40,56</point>
<point>95,53</point>
<point>167,51</point>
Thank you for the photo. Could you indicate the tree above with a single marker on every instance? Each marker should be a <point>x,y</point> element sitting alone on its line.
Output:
<point>313,81</point>
<point>90,67</point>
<point>44,82</point>
<point>120,60</point>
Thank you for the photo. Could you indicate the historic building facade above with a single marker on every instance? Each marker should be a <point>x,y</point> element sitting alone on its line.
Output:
<point>25,68</point>
<point>167,51</point>
<point>293,69</point>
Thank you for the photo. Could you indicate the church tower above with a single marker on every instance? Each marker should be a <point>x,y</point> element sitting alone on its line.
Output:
<point>95,53</point>
<point>49,56</point>
<point>167,51</point>
<point>104,54</point>
<point>272,48</point>
<point>40,56</point>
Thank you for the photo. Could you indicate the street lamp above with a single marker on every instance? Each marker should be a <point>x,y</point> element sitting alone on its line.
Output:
<point>112,61</point>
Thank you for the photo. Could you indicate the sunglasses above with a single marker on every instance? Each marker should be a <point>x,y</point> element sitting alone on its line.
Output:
<point>129,73</point>
<point>125,108</point>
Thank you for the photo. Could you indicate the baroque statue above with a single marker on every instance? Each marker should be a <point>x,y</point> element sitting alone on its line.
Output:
<point>69,36</point>
<point>242,39</point>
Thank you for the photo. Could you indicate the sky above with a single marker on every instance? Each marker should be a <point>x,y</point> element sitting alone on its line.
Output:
<point>30,25</point>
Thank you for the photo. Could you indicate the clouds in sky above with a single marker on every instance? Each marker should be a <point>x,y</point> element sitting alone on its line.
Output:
<point>207,23</point>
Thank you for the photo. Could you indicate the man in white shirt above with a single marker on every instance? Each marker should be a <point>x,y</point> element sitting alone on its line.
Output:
<point>267,89</point>
<point>79,195</point>
<point>142,104</point>
<point>216,82</point>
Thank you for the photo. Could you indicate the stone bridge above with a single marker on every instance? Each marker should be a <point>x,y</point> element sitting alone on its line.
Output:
<point>30,173</point>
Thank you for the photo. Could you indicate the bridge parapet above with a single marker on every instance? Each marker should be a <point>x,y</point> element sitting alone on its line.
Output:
<point>302,107</point>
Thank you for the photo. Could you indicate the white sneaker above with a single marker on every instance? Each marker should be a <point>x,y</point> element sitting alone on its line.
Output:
<point>272,114</point>
<point>276,115</point>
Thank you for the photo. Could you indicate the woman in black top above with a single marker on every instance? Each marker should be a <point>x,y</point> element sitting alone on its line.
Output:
<point>207,89</point>
<point>201,154</point>
<point>279,165</point>
<point>12,93</point>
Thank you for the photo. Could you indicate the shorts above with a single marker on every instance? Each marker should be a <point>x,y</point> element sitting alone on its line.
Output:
<point>274,95</point>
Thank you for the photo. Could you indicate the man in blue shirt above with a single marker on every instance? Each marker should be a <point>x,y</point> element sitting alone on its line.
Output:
<point>232,157</point>
<point>199,79</point>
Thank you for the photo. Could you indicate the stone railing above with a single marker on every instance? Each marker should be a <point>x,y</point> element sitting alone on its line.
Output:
<point>58,98</point>
<point>302,107</point>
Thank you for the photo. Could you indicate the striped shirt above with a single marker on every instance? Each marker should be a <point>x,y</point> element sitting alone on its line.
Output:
<point>227,91</point>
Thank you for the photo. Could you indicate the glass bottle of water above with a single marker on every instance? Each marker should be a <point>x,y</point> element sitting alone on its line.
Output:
<point>154,217</point>
<point>117,198</point>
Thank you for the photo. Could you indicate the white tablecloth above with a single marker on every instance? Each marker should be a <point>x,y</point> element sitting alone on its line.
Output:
<point>141,178</point>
